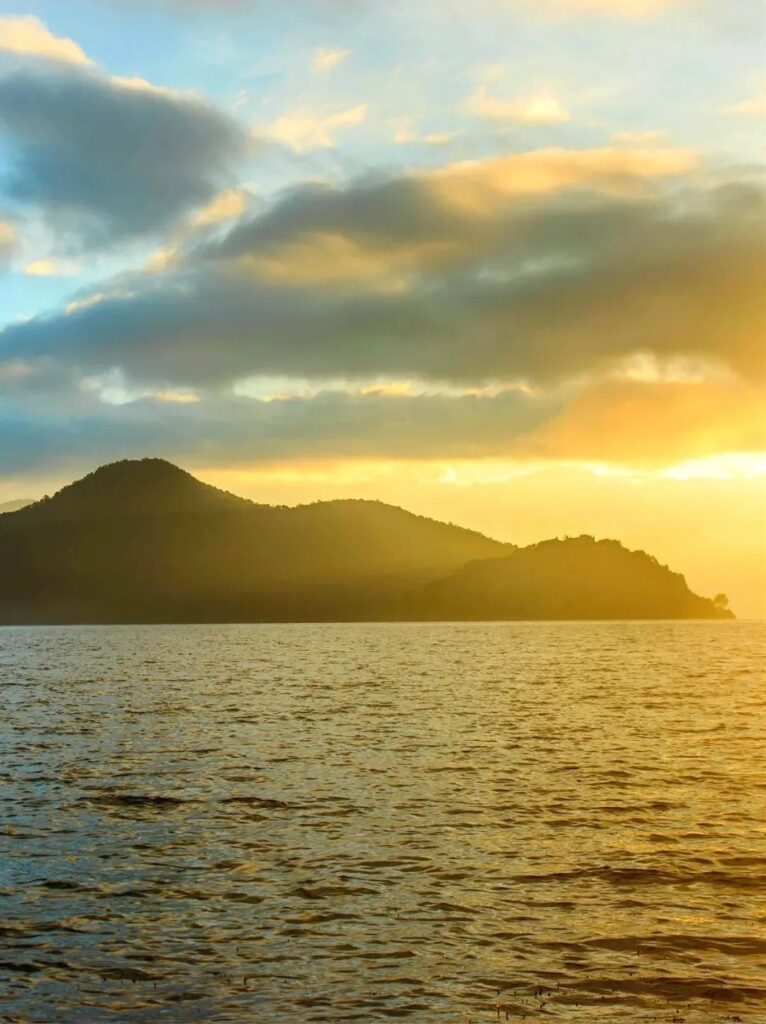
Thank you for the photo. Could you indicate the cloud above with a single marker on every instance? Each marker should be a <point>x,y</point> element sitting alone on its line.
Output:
<point>304,129</point>
<point>385,231</point>
<point>651,137</point>
<point>142,85</point>
<point>595,304</point>
<point>480,186</point>
<point>755,106</point>
<point>27,35</point>
<point>105,162</point>
<point>606,422</point>
<point>9,241</point>
<point>403,132</point>
<point>331,258</point>
<point>234,429</point>
<point>228,205</point>
<point>619,8</point>
<point>603,317</point>
<point>544,108</point>
<point>633,421</point>
<point>52,268</point>
<point>180,397</point>
<point>225,206</point>
<point>399,278</point>
<point>327,60</point>
<point>217,7</point>
<point>440,138</point>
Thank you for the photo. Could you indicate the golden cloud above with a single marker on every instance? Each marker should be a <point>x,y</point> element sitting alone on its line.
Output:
<point>635,421</point>
<point>755,106</point>
<point>8,240</point>
<point>543,108</point>
<point>142,85</point>
<point>27,35</point>
<point>227,205</point>
<point>464,201</point>
<point>52,268</point>
<point>334,258</point>
<point>621,8</point>
<point>176,397</point>
<point>479,185</point>
<point>303,129</point>
<point>327,60</point>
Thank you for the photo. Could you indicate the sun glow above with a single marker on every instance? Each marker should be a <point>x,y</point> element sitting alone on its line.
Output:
<point>470,472</point>
<point>525,501</point>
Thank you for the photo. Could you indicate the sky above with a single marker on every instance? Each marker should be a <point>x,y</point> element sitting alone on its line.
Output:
<point>500,262</point>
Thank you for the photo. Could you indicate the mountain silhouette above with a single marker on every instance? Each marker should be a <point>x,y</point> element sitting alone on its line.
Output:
<point>144,541</point>
<point>575,578</point>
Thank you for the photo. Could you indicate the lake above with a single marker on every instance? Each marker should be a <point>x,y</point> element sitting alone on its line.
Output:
<point>441,822</point>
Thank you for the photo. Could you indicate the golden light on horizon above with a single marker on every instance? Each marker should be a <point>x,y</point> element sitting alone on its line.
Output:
<point>525,501</point>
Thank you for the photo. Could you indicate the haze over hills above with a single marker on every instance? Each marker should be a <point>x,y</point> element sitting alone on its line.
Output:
<point>143,541</point>
<point>14,506</point>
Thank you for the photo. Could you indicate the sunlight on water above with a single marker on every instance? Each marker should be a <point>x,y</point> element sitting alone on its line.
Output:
<point>321,823</point>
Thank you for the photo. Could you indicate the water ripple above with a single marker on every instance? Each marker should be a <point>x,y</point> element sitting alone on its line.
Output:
<point>439,823</point>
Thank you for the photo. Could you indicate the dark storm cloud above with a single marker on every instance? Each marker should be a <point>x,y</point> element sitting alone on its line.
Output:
<point>104,162</point>
<point>546,289</point>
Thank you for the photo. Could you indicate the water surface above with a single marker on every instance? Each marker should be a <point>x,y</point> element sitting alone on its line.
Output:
<point>352,822</point>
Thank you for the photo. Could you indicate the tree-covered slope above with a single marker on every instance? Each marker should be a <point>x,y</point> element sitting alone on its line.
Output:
<point>145,541</point>
<point>575,578</point>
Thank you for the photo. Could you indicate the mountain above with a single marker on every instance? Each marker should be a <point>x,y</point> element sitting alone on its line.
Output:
<point>14,506</point>
<point>143,541</point>
<point>575,578</point>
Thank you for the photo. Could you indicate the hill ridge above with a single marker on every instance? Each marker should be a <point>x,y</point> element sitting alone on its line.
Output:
<point>120,479</point>
<point>143,540</point>
<point>572,578</point>
<point>154,470</point>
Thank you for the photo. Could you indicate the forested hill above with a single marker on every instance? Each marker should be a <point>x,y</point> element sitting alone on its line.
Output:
<point>144,541</point>
<point>575,578</point>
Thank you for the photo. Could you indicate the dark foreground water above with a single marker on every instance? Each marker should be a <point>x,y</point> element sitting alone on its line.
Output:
<point>335,823</point>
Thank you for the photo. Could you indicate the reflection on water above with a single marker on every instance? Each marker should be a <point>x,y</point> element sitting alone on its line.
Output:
<point>321,823</point>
